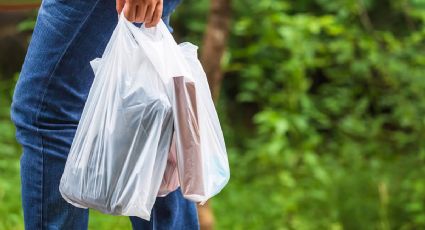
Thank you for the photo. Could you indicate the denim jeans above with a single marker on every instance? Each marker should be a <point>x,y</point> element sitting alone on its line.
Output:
<point>47,104</point>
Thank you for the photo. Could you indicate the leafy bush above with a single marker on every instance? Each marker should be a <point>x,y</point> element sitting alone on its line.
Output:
<point>338,102</point>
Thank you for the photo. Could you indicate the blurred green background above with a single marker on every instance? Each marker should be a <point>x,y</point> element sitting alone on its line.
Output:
<point>323,109</point>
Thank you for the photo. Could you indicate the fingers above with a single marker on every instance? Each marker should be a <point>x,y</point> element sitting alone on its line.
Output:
<point>156,17</point>
<point>149,13</point>
<point>141,11</point>
<point>119,5</point>
<point>130,10</point>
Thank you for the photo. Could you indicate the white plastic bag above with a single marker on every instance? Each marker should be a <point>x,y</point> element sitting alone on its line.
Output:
<point>118,159</point>
<point>119,153</point>
<point>203,166</point>
<point>198,156</point>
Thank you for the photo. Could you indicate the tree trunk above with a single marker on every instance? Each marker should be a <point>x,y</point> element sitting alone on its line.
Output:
<point>214,46</point>
<point>19,6</point>
<point>215,42</point>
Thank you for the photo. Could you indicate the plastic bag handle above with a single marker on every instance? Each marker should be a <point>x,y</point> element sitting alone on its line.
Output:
<point>159,46</point>
<point>156,33</point>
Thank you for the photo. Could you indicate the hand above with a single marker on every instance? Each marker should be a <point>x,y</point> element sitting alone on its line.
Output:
<point>141,11</point>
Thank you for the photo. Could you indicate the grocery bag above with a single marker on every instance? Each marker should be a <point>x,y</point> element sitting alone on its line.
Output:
<point>119,153</point>
<point>197,160</point>
<point>202,162</point>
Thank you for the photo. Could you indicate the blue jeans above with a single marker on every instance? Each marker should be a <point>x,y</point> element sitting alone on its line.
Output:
<point>47,105</point>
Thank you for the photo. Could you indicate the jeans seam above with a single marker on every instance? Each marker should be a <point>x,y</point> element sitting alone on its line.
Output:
<point>42,183</point>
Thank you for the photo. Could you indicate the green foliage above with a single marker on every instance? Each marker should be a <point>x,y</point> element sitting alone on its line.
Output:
<point>10,208</point>
<point>337,99</point>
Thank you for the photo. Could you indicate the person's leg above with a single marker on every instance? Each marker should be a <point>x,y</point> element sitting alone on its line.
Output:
<point>41,169</point>
<point>170,212</point>
<point>48,101</point>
